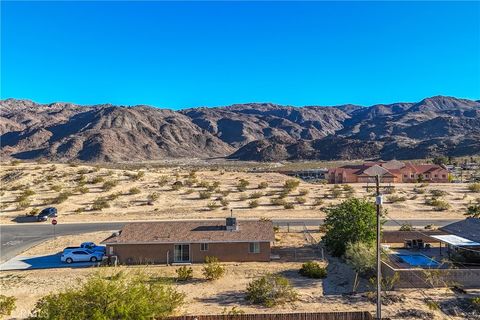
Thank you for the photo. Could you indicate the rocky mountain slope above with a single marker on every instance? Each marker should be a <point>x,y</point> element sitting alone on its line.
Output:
<point>263,132</point>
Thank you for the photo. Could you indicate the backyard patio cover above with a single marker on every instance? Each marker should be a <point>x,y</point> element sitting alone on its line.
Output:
<point>456,240</point>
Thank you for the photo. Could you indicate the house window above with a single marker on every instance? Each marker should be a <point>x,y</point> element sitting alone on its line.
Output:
<point>203,246</point>
<point>405,176</point>
<point>254,247</point>
<point>444,176</point>
<point>110,250</point>
<point>412,176</point>
<point>436,176</point>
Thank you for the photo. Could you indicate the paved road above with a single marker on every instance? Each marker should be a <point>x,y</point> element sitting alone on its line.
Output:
<point>16,238</point>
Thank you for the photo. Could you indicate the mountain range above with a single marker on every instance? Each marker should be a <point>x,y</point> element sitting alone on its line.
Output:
<point>255,131</point>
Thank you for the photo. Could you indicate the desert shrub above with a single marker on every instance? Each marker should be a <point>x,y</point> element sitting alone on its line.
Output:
<point>79,210</point>
<point>162,181</point>
<point>189,191</point>
<point>62,197</point>
<point>300,200</point>
<point>406,227</point>
<point>211,187</point>
<point>177,185</point>
<point>473,211</point>
<point>119,296</point>
<point>253,204</point>
<point>57,188</point>
<point>283,194</point>
<point>437,204</point>
<point>335,192</point>
<point>242,197</point>
<point>33,212</point>
<point>278,202</point>
<point>203,184</point>
<point>347,188</point>
<point>192,174</point>
<point>109,185</point>
<point>204,195</point>
<point>134,190</point>
<point>225,192</point>
<point>213,269</point>
<point>256,195</point>
<point>352,220</point>
<point>7,305</point>
<point>232,312</point>
<point>437,193</point>
<point>189,182</point>
<point>396,198</point>
<point>100,203</point>
<point>242,185</point>
<point>28,192</point>
<point>291,184</point>
<point>289,206</point>
<point>15,162</point>
<point>224,202</point>
<point>318,202</point>
<point>474,187</point>
<point>263,185</point>
<point>81,189</point>
<point>184,273</point>
<point>362,257</point>
<point>152,197</point>
<point>23,204</point>
<point>270,290</point>
<point>312,269</point>
<point>212,205</point>
<point>97,179</point>
<point>83,171</point>
<point>303,192</point>
<point>418,190</point>
<point>139,175</point>
<point>113,196</point>
<point>475,303</point>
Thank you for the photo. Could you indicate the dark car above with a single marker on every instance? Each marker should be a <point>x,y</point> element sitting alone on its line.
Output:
<point>47,213</point>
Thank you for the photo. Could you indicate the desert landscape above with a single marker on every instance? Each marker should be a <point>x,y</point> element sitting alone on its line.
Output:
<point>84,192</point>
<point>213,297</point>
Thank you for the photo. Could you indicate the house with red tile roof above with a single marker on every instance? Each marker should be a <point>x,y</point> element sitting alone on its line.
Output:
<point>393,171</point>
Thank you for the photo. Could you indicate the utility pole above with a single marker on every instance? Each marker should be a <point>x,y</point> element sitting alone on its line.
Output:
<point>378,202</point>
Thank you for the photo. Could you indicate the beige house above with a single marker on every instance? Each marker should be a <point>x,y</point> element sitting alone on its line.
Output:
<point>169,242</point>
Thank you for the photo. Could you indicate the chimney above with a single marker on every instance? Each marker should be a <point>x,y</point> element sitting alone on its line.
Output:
<point>231,224</point>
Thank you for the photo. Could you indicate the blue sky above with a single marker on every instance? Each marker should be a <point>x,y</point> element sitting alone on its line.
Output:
<point>185,54</point>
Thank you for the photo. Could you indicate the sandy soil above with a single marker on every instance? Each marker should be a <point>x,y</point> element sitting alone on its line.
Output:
<point>203,297</point>
<point>47,181</point>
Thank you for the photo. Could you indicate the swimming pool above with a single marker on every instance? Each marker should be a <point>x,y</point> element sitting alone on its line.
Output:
<point>418,260</point>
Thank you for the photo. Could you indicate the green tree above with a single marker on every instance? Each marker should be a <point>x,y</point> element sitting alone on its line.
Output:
<point>120,296</point>
<point>352,220</point>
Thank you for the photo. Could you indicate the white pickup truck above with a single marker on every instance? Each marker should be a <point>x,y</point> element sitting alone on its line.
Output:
<point>87,245</point>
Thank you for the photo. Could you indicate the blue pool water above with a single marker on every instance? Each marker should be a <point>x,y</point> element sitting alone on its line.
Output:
<point>418,260</point>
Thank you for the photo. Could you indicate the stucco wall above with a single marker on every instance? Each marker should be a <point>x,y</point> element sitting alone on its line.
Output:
<point>157,253</point>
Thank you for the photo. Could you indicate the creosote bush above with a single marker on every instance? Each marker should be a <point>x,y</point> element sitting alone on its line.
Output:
<point>116,296</point>
<point>7,305</point>
<point>291,184</point>
<point>256,195</point>
<point>62,197</point>
<point>100,203</point>
<point>33,212</point>
<point>312,269</point>
<point>289,206</point>
<point>278,202</point>
<point>109,185</point>
<point>184,273</point>
<point>253,204</point>
<point>204,195</point>
<point>474,187</point>
<point>134,190</point>
<point>300,200</point>
<point>213,269</point>
<point>263,185</point>
<point>270,290</point>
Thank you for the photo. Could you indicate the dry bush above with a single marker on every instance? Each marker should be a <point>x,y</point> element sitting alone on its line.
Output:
<point>134,190</point>
<point>256,195</point>
<point>253,204</point>
<point>204,195</point>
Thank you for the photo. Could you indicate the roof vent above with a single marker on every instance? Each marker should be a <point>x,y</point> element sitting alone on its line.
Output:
<point>231,224</point>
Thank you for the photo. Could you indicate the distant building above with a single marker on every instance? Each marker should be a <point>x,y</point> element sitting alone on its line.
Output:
<point>167,242</point>
<point>390,171</point>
